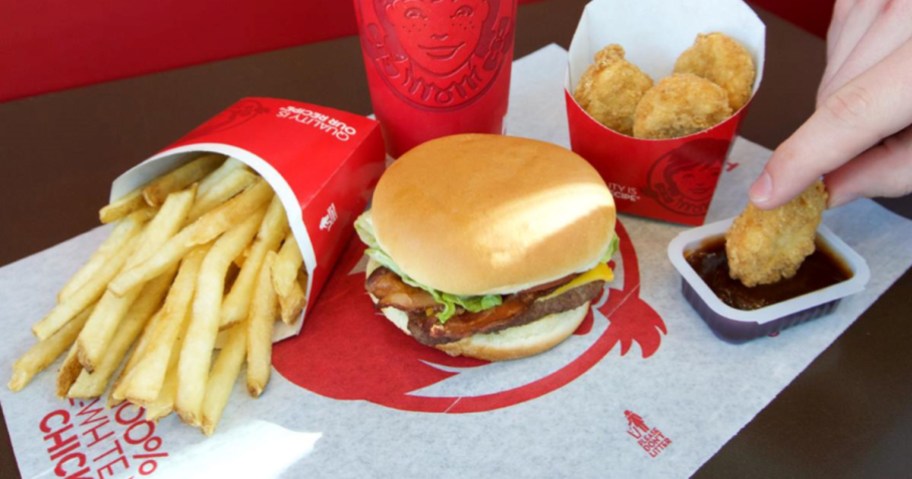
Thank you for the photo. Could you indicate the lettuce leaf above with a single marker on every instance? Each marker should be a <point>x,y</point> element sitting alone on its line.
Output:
<point>365,228</point>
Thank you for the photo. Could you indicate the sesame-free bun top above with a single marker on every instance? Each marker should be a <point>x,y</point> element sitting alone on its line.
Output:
<point>489,214</point>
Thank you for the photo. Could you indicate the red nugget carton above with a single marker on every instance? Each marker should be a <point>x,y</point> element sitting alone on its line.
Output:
<point>669,179</point>
<point>322,163</point>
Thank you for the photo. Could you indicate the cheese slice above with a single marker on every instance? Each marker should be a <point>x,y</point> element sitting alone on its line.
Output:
<point>601,271</point>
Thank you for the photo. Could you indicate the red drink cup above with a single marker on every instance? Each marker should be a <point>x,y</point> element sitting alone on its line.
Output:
<point>437,68</point>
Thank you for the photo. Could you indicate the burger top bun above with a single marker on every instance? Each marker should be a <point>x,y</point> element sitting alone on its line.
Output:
<point>489,214</point>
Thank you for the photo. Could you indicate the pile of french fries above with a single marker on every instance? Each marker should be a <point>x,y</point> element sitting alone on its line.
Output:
<point>202,251</point>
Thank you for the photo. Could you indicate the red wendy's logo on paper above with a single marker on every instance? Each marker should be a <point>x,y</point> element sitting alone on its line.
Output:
<point>684,179</point>
<point>651,439</point>
<point>437,54</point>
<point>346,350</point>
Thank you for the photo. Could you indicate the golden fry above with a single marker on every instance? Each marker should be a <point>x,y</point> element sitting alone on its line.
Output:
<point>163,405</point>
<point>68,372</point>
<point>212,180</point>
<point>87,294</point>
<point>196,352</point>
<point>229,186</point>
<point>270,234</point>
<point>224,375</point>
<point>158,190</point>
<point>231,212</point>
<point>286,266</point>
<point>723,61</point>
<point>90,385</point>
<point>45,352</point>
<point>679,105</point>
<point>144,380</point>
<point>126,229</point>
<point>259,330</point>
<point>103,322</point>
<point>765,246</point>
<point>122,207</point>
<point>610,89</point>
<point>291,304</point>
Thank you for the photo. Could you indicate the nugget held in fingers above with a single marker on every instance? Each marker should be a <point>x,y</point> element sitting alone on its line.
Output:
<point>765,246</point>
<point>610,89</point>
<point>679,105</point>
<point>722,60</point>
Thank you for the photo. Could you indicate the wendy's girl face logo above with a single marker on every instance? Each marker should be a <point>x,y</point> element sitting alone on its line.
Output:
<point>346,350</point>
<point>437,54</point>
<point>684,179</point>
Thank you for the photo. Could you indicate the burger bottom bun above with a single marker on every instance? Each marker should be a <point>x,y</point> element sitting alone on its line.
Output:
<point>511,343</point>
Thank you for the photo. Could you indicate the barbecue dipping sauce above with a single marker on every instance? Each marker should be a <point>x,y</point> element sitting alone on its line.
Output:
<point>819,270</point>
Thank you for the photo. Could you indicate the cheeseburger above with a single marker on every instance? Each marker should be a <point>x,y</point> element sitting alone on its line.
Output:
<point>488,246</point>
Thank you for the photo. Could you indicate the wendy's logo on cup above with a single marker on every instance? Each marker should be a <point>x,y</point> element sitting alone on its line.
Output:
<point>348,351</point>
<point>684,179</point>
<point>437,54</point>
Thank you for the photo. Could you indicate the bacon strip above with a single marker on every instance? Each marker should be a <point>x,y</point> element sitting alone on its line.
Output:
<point>390,290</point>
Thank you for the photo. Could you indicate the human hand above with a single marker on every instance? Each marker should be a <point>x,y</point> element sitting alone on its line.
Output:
<point>859,138</point>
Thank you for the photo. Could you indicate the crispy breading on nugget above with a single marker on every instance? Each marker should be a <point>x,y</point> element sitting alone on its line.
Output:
<point>765,246</point>
<point>610,89</point>
<point>724,61</point>
<point>679,105</point>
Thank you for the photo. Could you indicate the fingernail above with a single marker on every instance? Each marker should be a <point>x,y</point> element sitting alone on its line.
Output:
<point>762,188</point>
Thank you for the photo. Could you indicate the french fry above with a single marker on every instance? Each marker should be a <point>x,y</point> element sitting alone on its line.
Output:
<point>179,178</point>
<point>144,381</point>
<point>224,375</point>
<point>45,352</point>
<point>196,352</point>
<point>126,228</point>
<point>227,168</point>
<point>118,389</point>
<point>286,266</point>
<point>140,344</point>
<point>214,223</point>
<point>166,223</point>
<point>286,270</point>
<point>166,257</point>
<point>229,186</point>
<point>163,405</point>
<point>147,303</point>
<point>259,329</point>
<point>122,207</point>
<point>231,212</point>
<point>103,322</point>
<point>89,293</point>
<point>271,232</point>
<point>69,371</point>
<point>291,305</point>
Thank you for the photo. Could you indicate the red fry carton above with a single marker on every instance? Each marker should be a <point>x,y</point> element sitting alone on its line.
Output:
<point>322,163</point>
<point>671,179</point>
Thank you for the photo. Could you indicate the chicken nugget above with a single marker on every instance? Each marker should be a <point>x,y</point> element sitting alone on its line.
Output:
<point>610,89</point>
<point>722,60</point>
<point>765,246</point>
<point>679,105</point>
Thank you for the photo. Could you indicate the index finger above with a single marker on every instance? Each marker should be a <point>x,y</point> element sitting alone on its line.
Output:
<point>856,117</point>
